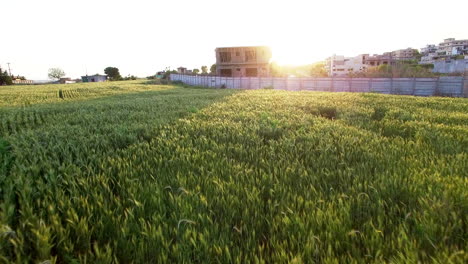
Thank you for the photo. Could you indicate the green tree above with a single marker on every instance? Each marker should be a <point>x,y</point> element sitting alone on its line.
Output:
<point>204,69</point>
<point>417,55</point>
<point>318,70</point>
<point>196,71</point>
<point>129,77</point>
<point>5,79</point>
<point>56,73</point>
<point>404,69</point>
<point>213,69</point>
<point>276,70</point>
<point>113,73</point>
<point>168,73</point>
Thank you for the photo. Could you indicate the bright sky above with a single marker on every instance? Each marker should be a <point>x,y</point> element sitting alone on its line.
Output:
<point>141,37</point>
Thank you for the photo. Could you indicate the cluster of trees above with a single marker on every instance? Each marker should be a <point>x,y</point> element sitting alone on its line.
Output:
<point>403,69</point>
<point>113,74</point>
<point>167,72</point>
<point>5,78</point>
<point>204,70</point>
<point>310,70</point>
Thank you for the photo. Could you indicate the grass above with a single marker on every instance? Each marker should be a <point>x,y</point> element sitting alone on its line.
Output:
<point>131,172</point>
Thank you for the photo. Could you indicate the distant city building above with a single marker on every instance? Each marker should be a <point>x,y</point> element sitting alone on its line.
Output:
<point>94,78</point>
<point>243,61</point>
<point>431,48</point>
<point>182,70</point>
<point>377,60</point>
<point>452,47</point>
<point>64,80</point>
<point>17,81</point>
<point>160,74</point>
<point>428,54</point>
<point>404,54</point>
<point>449,49</point>
<point>342,66</point>
<point>338,65</point>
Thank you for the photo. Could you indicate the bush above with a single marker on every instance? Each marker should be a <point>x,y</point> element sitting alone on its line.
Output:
<point>128,78</point>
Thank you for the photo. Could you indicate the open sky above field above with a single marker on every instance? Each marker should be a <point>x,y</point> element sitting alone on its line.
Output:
<point>141,37</point>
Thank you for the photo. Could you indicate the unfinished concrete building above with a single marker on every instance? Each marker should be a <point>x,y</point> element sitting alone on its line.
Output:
<point>243,61</point>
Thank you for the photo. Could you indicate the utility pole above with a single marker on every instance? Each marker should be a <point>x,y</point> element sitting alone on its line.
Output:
<point>9,69</point>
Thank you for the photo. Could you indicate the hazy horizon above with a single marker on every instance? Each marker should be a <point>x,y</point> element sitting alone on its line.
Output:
<point>143,37</point>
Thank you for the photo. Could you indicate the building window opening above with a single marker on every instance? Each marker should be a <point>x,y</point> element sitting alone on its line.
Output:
<point>226,72</point>
<point>251,72</point>
<point>250,55</point>
<point>225,56</point>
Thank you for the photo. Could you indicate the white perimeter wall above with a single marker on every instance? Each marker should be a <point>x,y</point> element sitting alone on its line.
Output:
<point>443,86</point>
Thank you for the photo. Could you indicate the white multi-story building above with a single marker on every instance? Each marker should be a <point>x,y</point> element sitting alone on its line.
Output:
<point>431,48</point>
<point>445,50</point>
<point>452,46</point>
<point>338,65</point>
<point>428,54</point>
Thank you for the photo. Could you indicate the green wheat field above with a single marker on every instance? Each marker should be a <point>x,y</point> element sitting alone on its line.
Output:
<point>133,172</point>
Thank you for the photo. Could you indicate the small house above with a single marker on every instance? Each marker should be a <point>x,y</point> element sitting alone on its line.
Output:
<point>182,70</point>
<point>94,78</point>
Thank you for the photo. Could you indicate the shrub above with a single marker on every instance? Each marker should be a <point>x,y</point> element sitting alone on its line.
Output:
<point>128,78</point>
